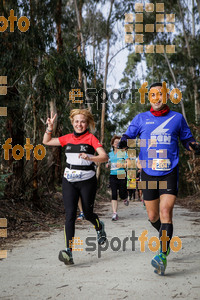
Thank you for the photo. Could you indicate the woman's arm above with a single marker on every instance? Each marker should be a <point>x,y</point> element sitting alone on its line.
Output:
<point>101,157</point>
<point>47,139</point>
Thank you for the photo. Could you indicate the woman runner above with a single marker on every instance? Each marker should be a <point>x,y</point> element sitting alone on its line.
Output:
<point>79,178</point>
<point>115,182</point>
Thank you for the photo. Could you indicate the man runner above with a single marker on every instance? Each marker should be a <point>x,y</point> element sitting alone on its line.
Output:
<point>159,130</point>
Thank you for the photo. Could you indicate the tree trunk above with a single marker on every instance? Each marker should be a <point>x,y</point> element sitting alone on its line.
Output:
<point>103,110</point>
<point>35,162</point>
<point>106,72</point>
<point>56,151</point>
<point>81,42</point>
<point>192,71</point>
<point>198,6</point>
<point>93,59</point>
<point>33,79</point>
<point>15,183</point>
<point>175,83</point>
<point>59,40</point>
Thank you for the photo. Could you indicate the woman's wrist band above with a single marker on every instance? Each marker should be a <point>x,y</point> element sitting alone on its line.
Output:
<point>48,132</point>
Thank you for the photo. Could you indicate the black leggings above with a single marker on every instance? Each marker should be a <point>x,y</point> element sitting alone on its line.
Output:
<point>71,192</point>
<point>118,184</point>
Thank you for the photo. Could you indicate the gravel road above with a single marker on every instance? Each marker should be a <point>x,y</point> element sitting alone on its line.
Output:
<point>33,271</point>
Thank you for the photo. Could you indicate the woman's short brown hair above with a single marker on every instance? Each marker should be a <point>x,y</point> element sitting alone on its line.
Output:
<point>86,113</point>
<point>114,138</point>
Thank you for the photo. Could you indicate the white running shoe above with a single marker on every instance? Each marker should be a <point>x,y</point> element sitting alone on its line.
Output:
<point>115,217</point>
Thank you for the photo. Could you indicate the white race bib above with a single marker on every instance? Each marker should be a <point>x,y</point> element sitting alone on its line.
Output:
<point>70,175</point>
<point>113,166</point>
<point>160,164</point>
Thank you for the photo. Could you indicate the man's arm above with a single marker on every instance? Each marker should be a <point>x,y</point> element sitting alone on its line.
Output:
<point>187,139</point>
<point>191,145</point>
<point>186,142</point>
<point>131,132</point>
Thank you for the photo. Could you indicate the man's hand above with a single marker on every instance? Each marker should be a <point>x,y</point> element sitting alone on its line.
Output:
<point>122,145</point>
<point>195,147</point>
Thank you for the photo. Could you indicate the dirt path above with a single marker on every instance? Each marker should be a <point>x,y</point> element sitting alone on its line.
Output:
<point>32,270</point>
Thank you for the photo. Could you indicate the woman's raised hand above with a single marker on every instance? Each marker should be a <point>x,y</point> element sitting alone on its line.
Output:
<point>50,121</point>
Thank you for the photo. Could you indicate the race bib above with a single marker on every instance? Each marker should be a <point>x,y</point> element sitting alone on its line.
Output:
<point>161,164</point>
<point>113,166</point>
<point>70,175</point>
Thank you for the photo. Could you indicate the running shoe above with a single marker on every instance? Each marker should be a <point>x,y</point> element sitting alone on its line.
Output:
<point>66,257</point>
<point>101,234</point>
<point>126,202</point>
<point>159,262</point>
<point>115,217</point>
<point>81,217</point>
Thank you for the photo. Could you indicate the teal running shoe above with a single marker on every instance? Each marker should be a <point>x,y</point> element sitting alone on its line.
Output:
<point>66,257</point>
<point>159,262</point>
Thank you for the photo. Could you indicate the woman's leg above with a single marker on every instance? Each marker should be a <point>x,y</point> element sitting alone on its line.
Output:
<point>87,190</point>
<point>70,197</point>
<point>114,204</point>
<point>123,190</point>
<point>114,186</point>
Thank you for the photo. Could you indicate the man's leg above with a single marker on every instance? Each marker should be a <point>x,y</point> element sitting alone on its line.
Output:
<point>159,262</point>
<point>166,211</point>
<point>152,207</point>
<point>151,200</point>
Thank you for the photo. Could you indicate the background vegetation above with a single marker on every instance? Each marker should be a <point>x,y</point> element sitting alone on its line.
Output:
<point>68,45</point>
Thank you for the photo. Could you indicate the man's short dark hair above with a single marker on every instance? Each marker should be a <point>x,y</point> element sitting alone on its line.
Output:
<point>155,84</point>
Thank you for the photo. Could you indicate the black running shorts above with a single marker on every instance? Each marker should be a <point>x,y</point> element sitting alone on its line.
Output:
<point>154,189</point>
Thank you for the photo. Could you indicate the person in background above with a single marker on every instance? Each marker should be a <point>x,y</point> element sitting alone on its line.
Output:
<point>81,214</point>
<point>117,165</point>
<point>131,194</point>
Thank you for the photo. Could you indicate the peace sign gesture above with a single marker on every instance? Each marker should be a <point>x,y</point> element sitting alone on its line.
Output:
<point>50,121</point>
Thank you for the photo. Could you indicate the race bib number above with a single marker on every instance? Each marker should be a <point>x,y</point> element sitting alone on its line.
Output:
<point>161,164</point>
<point>70,175</point>
<point>113,166</point>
